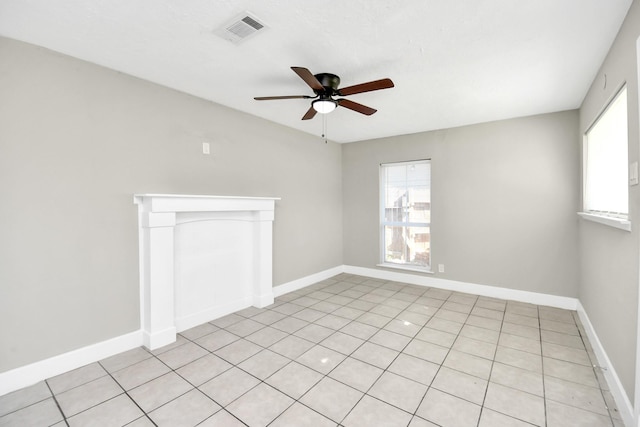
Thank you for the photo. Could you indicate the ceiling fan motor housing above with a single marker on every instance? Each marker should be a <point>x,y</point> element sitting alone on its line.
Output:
<point>329,81</point>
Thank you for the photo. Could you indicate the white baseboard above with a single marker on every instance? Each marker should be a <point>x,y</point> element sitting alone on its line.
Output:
<point>615,386</point>
<point>303,282</point>
<point>471,288</point>
<point>25,376</point>
<point>212,313</point>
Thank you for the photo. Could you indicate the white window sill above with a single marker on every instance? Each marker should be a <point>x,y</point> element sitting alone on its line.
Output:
<point>404,267</point>
<point>622,224</point>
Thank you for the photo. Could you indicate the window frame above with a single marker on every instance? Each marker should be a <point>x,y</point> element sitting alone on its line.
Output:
<point>382,222</point>
<point>617,220</point>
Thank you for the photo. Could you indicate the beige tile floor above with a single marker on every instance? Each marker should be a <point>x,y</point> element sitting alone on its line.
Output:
<point>349,351</point>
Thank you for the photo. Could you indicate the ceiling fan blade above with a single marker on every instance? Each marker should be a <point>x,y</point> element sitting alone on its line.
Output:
<point>269,98</point>
<point>310,114</point>
<point>363,109</point>
<point>366,87</point>
<point>308,77</point>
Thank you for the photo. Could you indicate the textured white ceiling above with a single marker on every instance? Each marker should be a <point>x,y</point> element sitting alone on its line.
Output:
<point>454,62</point>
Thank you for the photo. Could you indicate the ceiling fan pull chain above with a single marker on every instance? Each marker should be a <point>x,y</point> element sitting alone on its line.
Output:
<point>324,127</point>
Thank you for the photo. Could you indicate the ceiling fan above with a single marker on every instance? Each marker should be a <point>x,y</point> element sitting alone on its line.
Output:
<point>325,87</point>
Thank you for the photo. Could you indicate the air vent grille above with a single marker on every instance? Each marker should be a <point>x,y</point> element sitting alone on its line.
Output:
<point>240,28</point>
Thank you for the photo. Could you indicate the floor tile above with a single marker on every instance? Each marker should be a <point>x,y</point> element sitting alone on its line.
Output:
<point>398,391</point>
<point>298,415</point>
<point>373,319</point>
<point>342,343</point>
<point>445,325</point>
<point>24,397</point>
<point>519,358</point>
<point>216,340</point>
<point>128,358</point>
<point>403,327</point>
<point>518,319</point>
<point>118,411</point>
<point>289,324</point>
<point>332,398</point>
<point>291,346</point>
<point>157,392</point>
<point>314,333</point>
<point>418,318</point>
<point>288,308</point>
<point>452,316</point>
<point>559,415</point>
<point>373,412</point>
<point>515,403</point>
<point>518,378</point>
<point>390,340</point>
<point>222,418</point>
<point>468,363</point>
<point>266,337</point>
<point>245,327</point>
<point>263,364</point>
<point>444,339</point>
<point>477,348</point>
<point>521,331</point>
<point>140,373</point>
<point>294,379</point>
<point>199,331</point>
<point>333,322</point>
<point>71,379</point>
<point>321,359</point>
<point>189,409</point>
<point>180,340</point>
<point>520,343</point>
<point>461,385</point>
<point>359,330</point>
<point>260,405</point>
<point>573,341</point>
<point>202,370</point>
<point>577,395</point>
<point>480,334</point>
<point>42,413</point>
<point>491,418</point>
<point>567,354</point>
<point>562,327</point>
<point>356,374</point>
<point>87,395</point>
<point>268,317</point>
<point>309,315</point>
<point>488,313</point>
<point>484,322</point>
<point>350,313</point>
<point>228,386</point>
<point>238,351</point>
<point>446,410</point>
<point>414,368</point>
<point>419,422</point>
<point>568,371</point>
<point>375,355</point>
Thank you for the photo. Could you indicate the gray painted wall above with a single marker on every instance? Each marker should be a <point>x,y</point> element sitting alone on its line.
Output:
<point>504,201</point>
<point>77,141</point>
<point>610,257</point>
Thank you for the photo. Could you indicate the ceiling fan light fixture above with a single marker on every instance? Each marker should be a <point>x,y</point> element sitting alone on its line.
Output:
<point>324,106</point>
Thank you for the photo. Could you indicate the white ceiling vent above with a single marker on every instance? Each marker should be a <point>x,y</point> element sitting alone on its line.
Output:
<point>240,28</point>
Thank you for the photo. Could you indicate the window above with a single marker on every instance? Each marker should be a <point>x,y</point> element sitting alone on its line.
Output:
<point>405,217</point>
<point>605,162</point>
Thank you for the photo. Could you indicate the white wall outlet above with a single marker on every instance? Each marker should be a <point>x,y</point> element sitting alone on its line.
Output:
<point>206,148</point>
<point>440,268</point>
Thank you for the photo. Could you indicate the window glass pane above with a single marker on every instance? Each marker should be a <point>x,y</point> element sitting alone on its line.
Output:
<point>606,165</point>
<point>407,245</point>
<point>406,216</point>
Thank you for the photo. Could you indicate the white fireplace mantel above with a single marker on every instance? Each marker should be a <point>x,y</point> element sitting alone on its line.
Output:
<point>201,257</point>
